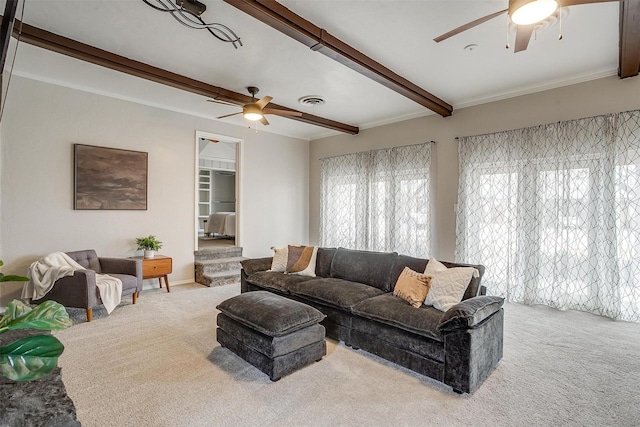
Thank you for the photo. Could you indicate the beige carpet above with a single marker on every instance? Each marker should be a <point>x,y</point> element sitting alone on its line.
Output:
<point>215,242</point>
<point>157,363</point>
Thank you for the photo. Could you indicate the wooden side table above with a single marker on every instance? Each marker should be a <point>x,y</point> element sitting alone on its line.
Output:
<point>157,267</point>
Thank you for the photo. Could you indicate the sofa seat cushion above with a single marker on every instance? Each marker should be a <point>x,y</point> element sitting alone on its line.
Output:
<point>391,310</point>
<point>128,281</point>
<point>277,281</point>
<point>338,293</point>
<point>377,333</point>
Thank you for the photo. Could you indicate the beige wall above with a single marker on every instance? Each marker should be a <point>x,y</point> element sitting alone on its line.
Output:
<point>581,100</point>
<point>43,121</point>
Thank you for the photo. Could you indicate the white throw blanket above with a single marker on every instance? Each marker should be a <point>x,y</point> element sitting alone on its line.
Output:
<point>44,272</point>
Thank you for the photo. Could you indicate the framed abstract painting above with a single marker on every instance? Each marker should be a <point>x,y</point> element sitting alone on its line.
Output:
<point>109,178</point>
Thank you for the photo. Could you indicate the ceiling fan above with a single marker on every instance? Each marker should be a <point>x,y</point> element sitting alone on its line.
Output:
<point>255,110</point>
<point>525,14</point>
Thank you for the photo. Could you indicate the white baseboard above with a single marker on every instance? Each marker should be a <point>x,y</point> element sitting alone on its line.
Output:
<point>153,283</point>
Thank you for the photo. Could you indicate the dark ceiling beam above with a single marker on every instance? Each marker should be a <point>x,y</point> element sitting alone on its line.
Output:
<point>284,20</point>
<point>65,46</point>
<point>6,28</point>
<point>629,57</point>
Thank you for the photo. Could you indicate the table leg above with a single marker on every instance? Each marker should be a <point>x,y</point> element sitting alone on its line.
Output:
<point>160,281</point>
<point>166,282</point>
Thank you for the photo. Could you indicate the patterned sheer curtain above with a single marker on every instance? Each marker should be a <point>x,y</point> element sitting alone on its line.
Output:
<point>553,212</point>
<point>377,200</point>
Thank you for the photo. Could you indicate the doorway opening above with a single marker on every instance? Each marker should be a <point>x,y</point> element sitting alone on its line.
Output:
<point>217,212</point>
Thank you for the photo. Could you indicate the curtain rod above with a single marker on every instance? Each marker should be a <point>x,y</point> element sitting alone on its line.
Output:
<point>380,149</point>
<point>606,116</point>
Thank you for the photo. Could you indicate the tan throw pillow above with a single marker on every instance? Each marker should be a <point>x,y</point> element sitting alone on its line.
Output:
<point>279,262</point>
<point>412,287</point>
<point>301,260</point>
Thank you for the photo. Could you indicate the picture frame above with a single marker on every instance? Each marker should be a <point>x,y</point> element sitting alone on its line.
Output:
<point>109,178</point>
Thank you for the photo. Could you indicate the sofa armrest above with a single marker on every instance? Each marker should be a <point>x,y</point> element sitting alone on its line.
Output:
<point>469,313</point>
<point>132,267</point>
<point>77,291</point>
<point>120,265</point>
<point>251,266</point>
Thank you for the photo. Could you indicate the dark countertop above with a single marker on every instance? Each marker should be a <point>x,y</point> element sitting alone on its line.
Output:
<point>42,402</point>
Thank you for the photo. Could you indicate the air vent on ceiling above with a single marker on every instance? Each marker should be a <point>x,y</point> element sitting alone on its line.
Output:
<point>312,101</point>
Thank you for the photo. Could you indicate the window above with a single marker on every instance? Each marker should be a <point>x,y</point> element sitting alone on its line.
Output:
<point>377,200</point>
<point>553,212</point>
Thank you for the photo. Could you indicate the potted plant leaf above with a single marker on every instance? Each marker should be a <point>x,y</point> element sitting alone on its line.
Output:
<point>150,245</point>
<point>31,357</point>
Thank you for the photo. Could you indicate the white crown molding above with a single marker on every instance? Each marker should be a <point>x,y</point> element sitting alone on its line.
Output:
<point>512,93</point>
<point>535,88</point>
<point>136,100</point>
<point>525,90</point>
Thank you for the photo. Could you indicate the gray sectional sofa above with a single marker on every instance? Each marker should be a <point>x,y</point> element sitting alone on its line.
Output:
<point>459,347</point>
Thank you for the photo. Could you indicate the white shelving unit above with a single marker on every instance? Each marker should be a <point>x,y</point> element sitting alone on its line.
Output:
<point>204,197</point>
<point>216,193</point>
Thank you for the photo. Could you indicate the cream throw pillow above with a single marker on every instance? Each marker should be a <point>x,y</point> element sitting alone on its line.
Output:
<point>447,284</point>
<point>279,263</point>
<point>412,287</point>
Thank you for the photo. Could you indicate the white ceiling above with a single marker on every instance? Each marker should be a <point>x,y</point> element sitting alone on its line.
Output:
<point>396,33</point>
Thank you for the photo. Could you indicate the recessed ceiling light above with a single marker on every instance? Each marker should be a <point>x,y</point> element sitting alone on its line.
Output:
<point>471,47</point>
<point>312,101</point>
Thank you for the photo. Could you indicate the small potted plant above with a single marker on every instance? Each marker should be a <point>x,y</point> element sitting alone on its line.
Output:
<point>149,244</point>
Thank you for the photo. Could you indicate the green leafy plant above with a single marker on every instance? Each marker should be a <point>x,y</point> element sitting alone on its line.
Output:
<point>149,243</point>
<point>12,278</point>
<point>32,357</point>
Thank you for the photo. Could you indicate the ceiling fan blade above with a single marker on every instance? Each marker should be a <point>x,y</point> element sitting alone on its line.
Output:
<point>262,102</point>
<point>264,121</point>
<point>229,115</point>
<point>281,112</point>
<point>217,101</point>
<point>468,25</point>
<point>522,37</point>
<point>565,3</point>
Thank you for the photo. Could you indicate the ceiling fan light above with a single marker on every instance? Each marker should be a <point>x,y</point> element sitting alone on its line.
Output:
<point>529,12</point>
<point>252,112</point>
<point>253,116</point>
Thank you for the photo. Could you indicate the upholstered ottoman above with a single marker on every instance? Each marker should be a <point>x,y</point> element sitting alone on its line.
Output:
<point>273,333</point>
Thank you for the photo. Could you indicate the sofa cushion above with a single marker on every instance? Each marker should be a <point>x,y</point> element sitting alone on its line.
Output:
<point>474,285</point>
<point>379,333</point>
<point>279,261</point>
<point>270,314</point>
<point>371,268</point>
<point>277,281</point>
<point>412,287</point>
<point>393,311</point>
<point>415,264</point>
<point>448,285</point>
<point>302,260</point>
<point>128,281</point>
<point>334,292</point>
<point>86,258</point>
<point>323,261</point>
<point>419,264</point>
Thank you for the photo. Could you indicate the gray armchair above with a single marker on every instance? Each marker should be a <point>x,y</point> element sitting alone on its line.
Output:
<point>80,291</point>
